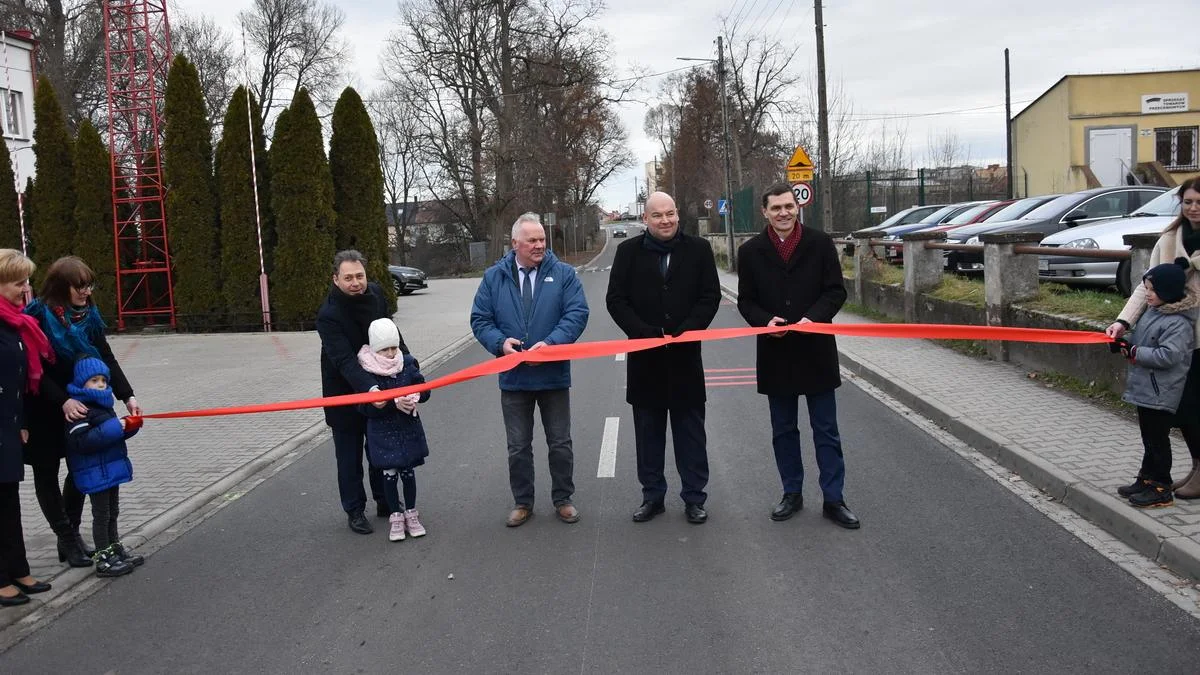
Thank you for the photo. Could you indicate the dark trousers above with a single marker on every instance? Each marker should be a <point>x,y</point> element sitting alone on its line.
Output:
<point>785,439</point>
<point>13,563</point>
<point>62,508</point>
<point>106,505</point>
<point>691,452</point>
<point>1155,426</point>
<point>348,447</point>
<point>391,491</point>
<point>517,407</point>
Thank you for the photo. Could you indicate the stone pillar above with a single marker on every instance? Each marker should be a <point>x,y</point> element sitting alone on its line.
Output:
<point>922,269</point>
<point>1140,248</point>
<point>866,265</point>
<point>1007,278</point>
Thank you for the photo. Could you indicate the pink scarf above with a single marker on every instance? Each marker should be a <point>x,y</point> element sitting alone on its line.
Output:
<point>379,365</point>
<point>37,347</point>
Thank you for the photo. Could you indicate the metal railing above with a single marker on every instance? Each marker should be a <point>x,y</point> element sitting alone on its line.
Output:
<point>1024,249</point>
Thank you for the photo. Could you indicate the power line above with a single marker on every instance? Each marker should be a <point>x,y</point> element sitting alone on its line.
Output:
<point>867,117</point>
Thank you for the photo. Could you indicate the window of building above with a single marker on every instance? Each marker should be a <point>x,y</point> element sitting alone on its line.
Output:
<point>14,112</point>
<point>1175,148</point>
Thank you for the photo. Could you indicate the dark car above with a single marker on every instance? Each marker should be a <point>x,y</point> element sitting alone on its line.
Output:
<point>407,279</point>
<point>619,232</point>
<point>943,216</point>
<point>914,214</point>
<point>1070,210</point>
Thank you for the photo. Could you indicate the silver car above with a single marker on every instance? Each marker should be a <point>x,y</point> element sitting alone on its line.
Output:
<point>1153,217</point>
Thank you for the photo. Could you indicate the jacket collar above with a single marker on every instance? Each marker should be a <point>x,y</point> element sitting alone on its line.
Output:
<point>508,264</point>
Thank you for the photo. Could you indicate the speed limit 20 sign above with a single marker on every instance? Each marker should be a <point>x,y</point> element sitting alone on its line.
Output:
<point>803,192</point>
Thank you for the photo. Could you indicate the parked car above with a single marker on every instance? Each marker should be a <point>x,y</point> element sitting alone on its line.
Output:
<point>913,214</point>
<point>1153,217</point>
<point>407,279</point>
<point>1067,211</point>
<point>943,216</point>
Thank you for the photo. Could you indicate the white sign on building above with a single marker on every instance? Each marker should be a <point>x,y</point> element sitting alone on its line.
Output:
<point>1164,103</point>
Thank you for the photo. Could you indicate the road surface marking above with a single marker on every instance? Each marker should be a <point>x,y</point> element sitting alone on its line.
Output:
<point>729,370</point>
<point>608,448</point>
<point>621,356</point>
<point>711,378</point>
<point>730,384</point>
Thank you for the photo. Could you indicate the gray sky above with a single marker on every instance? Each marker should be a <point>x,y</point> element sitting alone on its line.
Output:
<point>903,63</point>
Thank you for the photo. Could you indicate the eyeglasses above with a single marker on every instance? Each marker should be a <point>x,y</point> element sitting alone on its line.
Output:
<point>86,289</point>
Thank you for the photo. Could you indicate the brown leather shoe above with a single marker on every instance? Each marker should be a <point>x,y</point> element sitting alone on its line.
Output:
<point>568,513</point>
<point>518,516</point>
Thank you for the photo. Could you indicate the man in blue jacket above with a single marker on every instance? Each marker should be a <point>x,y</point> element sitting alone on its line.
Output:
<point>527,300</point>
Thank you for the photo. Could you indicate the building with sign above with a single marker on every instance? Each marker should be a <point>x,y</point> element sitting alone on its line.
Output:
<point>1108,129</point>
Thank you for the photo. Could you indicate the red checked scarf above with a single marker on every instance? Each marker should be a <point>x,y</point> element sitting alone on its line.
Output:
<point>788,246</point>
<point>37,347</point>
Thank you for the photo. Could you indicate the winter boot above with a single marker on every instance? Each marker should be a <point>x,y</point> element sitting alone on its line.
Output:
<point>1190,489</point>
<point>89,552</point>
<point>70,552</point>
<point>1183,481</point>
<point>128,556</point>
<point>1155,496</point>
<point>1133,488</point>
<point>109,564</point>
<point>415,528</point>
<point>396,533</point>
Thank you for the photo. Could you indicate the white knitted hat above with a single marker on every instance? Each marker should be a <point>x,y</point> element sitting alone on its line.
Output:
<point>383,334</point>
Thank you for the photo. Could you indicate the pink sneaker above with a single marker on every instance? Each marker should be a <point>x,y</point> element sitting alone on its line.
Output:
<point>415,528</point>
<point>397,531</point>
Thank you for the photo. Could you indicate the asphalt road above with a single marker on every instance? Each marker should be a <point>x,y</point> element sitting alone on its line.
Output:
<point>950,572</point>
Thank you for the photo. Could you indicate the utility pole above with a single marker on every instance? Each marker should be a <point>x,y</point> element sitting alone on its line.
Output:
<point>725,124</point>
<point>1008,125</point>
<point>635,198</point>
<point>823,124</point>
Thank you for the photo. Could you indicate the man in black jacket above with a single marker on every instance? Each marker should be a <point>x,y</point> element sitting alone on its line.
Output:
<point>665,283</point>
<point>791,274</point>
<point>342,322</point>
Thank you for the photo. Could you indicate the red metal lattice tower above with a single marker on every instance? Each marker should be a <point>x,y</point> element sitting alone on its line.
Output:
<point>137,56</point>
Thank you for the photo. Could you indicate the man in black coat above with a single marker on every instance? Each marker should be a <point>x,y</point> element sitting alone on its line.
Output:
<point>342,322</point>
<point>665,283</point>
<point>791,274</point>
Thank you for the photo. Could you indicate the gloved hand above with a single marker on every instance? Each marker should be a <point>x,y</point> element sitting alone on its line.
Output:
<point>1118,345</point>
<point>131,423</point>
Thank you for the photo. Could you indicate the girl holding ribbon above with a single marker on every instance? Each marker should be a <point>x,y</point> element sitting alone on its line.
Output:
<point>66,314</point>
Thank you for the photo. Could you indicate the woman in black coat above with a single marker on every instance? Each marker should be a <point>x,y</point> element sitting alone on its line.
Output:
<point>22,348</point>
<point>70,320</point>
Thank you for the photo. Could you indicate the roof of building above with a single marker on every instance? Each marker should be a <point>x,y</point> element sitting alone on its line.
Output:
<point>22,35</point>
<point>1064,78</point>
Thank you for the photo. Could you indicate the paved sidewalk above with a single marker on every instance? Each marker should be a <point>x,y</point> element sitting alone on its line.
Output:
<point>180,460</point>
<point>1076,452</point>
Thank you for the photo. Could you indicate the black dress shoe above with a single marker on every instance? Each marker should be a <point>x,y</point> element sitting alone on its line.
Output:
<point>840,514</point>
<point>35,587</point>
<point>18,599</point>
<point>358,522</point>
<point>647,511</point>
<point>791,503</point>
<point>695,513</point>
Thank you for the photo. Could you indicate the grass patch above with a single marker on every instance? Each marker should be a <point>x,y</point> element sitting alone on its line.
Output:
<point>847,267</point>
<point>1075,302</point>
<point>958,289</point>
<point>1086,390</point>
<point>868,313</point>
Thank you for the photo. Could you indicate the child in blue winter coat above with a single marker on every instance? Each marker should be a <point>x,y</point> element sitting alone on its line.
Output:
<point>99,461</point>
<point>1159,353</point>
<point>395,438</point>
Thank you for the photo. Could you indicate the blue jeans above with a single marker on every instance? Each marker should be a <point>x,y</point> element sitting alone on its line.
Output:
<point>348,447</point>
<point>691,452</point>
<point>785,438</point>
<point>517,407</point>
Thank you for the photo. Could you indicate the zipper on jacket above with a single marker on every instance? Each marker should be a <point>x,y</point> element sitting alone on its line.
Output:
<point>1154,383</point>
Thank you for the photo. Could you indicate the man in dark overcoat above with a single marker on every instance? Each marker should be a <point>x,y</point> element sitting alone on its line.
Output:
<point>342,323</point>
<point>664,282</point>
<point>791,274</point>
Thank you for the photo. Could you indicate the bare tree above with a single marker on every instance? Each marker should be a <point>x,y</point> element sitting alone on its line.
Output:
<point>70,50</point>
<point>402,154</point>
<point>295,43</point>
<point>211,49</point>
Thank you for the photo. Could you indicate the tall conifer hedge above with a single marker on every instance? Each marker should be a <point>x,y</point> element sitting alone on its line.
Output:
<point>53,228</point>
<point>93,215</point>
<point>10,225</point>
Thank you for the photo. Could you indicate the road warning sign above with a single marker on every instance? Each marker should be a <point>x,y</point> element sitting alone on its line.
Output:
<point>799,167</point>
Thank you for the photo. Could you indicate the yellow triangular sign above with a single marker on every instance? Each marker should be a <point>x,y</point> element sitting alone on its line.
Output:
<point>799,159</point>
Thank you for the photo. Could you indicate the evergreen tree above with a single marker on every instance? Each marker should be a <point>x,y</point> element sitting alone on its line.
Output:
<point>358,187</point>
<point>93,215</point>
<point>10,224</point>
<point>235,193</point>
<point>191,202</point>
<point>302,199</point>
<point>52,229</point>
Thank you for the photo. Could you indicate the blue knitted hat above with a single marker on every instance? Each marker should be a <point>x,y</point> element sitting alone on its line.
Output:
<point>87,368</point>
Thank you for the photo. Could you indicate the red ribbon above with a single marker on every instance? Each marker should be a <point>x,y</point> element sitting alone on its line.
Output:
<point>588,350</point>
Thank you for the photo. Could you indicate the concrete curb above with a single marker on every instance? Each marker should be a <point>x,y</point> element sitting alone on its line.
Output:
<point>1149,537</point>
<point>73,585</point>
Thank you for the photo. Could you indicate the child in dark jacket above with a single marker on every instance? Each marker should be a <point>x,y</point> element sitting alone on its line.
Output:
<point>99,461</point>
<point>1159,353</point>
<point>395,438</point>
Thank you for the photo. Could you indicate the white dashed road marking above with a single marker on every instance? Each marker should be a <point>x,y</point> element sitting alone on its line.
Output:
<point>608,448</point>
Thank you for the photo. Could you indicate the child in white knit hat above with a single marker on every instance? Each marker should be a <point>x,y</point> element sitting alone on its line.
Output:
<point>395,438</point>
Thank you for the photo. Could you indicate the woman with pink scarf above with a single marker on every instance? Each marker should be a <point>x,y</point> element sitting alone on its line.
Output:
<point>22,348</point>
<point>395,438</point>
